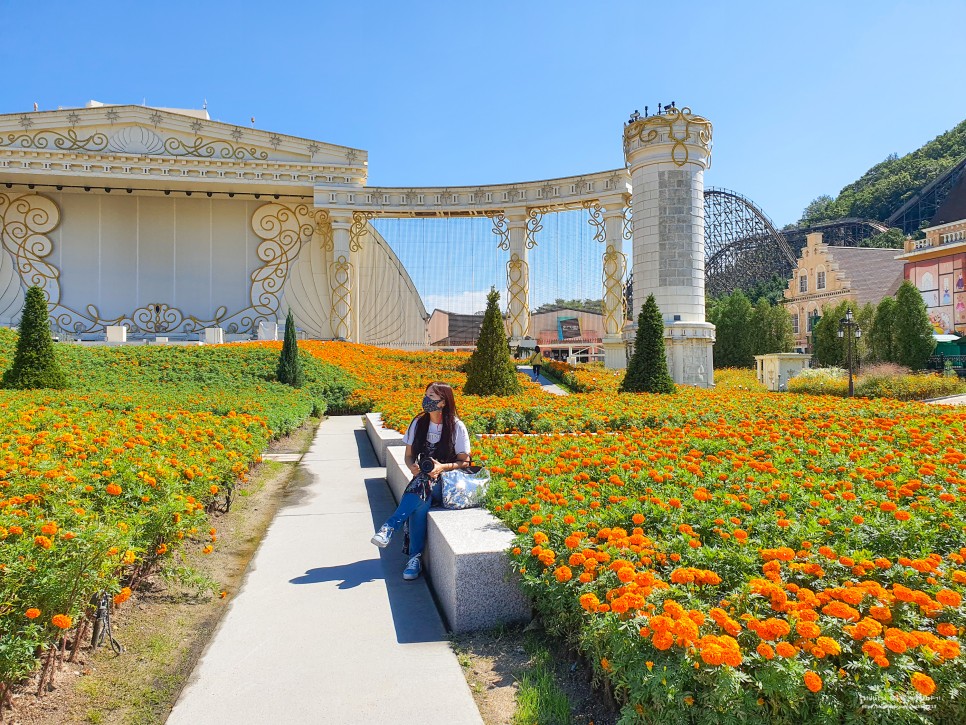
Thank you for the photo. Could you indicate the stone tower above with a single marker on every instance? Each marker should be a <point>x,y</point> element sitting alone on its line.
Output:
<point>666,155</point>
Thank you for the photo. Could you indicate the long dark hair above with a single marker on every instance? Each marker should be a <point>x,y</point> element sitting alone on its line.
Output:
<point>445,450</point>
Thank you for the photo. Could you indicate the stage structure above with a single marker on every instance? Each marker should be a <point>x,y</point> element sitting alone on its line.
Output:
<point>167,223</point>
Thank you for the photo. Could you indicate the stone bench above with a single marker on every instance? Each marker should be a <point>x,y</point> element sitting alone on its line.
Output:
<point>465,558</point>
<point>381,438</point>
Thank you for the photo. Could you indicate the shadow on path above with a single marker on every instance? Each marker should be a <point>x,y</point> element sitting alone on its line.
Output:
<point>351,575</point>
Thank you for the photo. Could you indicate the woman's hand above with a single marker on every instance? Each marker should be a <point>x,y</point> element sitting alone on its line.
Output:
<point>414,469</point>
<point>438,469</point>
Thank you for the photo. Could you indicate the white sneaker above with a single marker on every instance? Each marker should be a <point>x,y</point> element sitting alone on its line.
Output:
<point>382,537</point>
<point>413,568</point>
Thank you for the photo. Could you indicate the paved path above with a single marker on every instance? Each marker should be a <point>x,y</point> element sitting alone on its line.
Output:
<point>548,385</point>
<point>952,400</point>
<point>324,629</point>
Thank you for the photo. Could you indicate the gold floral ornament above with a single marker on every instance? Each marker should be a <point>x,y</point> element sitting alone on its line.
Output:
<point>212,148</point>
<point>340,280</point>
<point>359,229</point>
<point>500,228</point>
<point>518,306</point>
<point>535,223</point>
<point>677,126</point>
<point>596,219</point>
<point>614,269</point>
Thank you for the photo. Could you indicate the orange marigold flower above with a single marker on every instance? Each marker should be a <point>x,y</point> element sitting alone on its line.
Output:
<point>663,640</point>
<point>946,629</point>
<point>32,613</point>
<point>766,651</point>
<point>812,681</point>
<point>61,621</point>
<point>785,649</point>
<point>563,574</point>
<point>113,489</point>
<point>829,645</point>
<point>808,630</point>
<point>50,528</point>
<point>43,542</point>
<point>948,598</point>
<point>923,683</point>
<point>122,596</point>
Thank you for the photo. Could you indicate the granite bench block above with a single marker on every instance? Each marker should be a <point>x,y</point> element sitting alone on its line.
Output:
<point>381,438</point>
<point>470,571</point>
<point>465,560</point>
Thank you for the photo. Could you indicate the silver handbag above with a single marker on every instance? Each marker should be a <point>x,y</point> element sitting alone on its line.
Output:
<point>465,488</point>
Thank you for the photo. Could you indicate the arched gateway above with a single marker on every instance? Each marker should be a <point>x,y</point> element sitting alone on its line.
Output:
<point>167,222</point>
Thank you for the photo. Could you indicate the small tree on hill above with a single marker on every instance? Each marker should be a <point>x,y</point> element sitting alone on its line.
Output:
<point>912,333</point>
<point>490,371</point>
<point>647,370</point>
<point>828,347</point>
<point>289,366</point>
<point>34,364</point>
<point>771,329</point>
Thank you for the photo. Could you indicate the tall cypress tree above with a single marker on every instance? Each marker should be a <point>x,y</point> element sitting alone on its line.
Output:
<point>882,334</point>
<point>913,341</point>
<point>34,364</point>
<point>289,366</point>
<point>490,371</point>
<point>647,370</point>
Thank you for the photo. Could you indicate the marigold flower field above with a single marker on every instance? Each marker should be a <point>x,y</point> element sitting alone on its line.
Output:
<point>731,555</point>
<point>719,556</point>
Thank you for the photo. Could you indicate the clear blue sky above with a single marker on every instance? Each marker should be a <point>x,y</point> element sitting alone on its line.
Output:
<point>804,97</point>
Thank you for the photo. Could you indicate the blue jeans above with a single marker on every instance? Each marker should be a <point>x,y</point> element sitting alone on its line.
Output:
<point>413,508</point>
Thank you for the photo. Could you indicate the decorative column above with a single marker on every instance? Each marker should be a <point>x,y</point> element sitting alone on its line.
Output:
<point>341,278</point>
<point>667,155</point>
<point>614,270</point>
<point>518,274</point>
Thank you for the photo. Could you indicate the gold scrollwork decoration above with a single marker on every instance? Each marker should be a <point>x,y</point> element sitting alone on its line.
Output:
<point>25,221</point>
<point>628,227</point>
<point>535,223</point>
<point>212,147</point>
<point>596,219</point>
<point>615,306</point>
<point>518,305</point>
<point>359,229</point>
<point>69,141</point>
<point>500,228</point>
<point>681,126</point>
<point>340,281</point>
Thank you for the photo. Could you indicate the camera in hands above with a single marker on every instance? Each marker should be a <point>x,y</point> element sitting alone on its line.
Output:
<point>426,464</point>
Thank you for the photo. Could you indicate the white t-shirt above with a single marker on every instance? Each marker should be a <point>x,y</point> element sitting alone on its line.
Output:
<point>461,443</point>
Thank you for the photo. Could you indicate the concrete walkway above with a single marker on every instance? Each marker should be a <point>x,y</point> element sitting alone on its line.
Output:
<point>324,629</point>
<point>951,400</point>
<point>548,385</point>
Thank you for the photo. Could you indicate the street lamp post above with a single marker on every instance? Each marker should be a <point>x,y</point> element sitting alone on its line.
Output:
<point>849,329</point>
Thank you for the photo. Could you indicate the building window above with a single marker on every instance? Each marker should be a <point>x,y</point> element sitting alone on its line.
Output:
<point>809,322</point>
<point>803,284</point>
<point>795,323</point>
<point>820,284</point>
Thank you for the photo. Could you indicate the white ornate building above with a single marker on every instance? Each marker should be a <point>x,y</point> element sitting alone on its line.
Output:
<point>167,222</point>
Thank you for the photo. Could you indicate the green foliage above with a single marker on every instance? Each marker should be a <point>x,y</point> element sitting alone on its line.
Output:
<point>881,335</point>
<point>587,305</point>
<point>733,347</point>
<point>771,329</point>
<point>771,289</point>
<point>647,370</point>
<point>490,370</point>
<point>888,185</point>
<point>892,239</point>
<point>34,363</point>
<point>289,366</point>
<point>829,350</point>
<point>912,332</point>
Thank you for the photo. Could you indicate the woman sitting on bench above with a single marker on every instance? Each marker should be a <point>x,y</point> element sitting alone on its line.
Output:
<point>436,441</point>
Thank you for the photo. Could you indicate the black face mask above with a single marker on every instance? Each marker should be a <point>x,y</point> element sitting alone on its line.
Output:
<point>430,405</point>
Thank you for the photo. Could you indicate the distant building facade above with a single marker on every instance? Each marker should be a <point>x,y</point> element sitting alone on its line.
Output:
<point>937,265</point>
<point>825,276</point>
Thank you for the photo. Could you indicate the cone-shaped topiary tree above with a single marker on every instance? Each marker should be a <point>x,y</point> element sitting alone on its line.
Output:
<point>289,366</point>
<point>647,370</point>
<point>34,363</point>
<point>490,371</point>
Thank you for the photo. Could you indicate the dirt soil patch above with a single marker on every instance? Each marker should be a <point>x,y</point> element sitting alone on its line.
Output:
<point>494,661</point>
<point>166,625</point>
